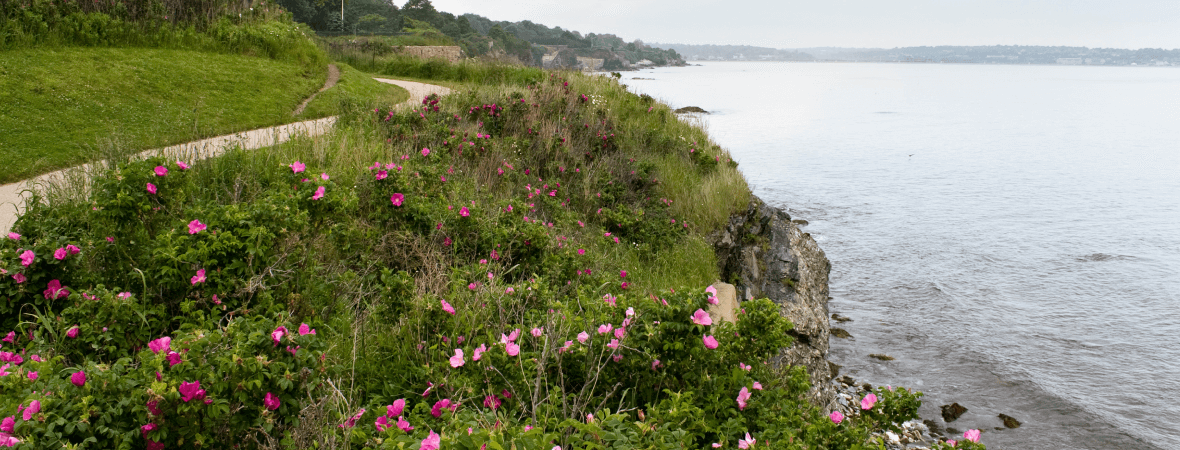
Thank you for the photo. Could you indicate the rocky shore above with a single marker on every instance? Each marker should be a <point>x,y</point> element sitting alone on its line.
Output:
<point>761,252</point>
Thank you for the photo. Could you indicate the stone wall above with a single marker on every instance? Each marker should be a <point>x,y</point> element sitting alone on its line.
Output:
<point>447,52</point>
<point>764,254</point>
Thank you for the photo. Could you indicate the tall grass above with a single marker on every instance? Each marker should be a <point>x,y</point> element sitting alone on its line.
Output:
<point>221,26</point>
<point>466,71</point>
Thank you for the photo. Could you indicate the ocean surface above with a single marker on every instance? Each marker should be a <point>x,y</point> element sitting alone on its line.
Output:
<point>1011,234</point>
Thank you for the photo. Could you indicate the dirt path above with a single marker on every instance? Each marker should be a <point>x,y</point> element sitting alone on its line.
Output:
<point>333,77</point>
<point>12,196</point>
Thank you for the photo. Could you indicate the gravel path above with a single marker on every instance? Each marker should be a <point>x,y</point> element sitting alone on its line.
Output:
<point>12,196</point>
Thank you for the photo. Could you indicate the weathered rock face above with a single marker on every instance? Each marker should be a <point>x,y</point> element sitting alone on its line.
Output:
<point>764,254</point>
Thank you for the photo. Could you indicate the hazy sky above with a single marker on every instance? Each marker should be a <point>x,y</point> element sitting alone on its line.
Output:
<point>853,23</point>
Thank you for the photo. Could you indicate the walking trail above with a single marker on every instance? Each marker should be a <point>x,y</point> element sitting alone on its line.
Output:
<point>13,196</point>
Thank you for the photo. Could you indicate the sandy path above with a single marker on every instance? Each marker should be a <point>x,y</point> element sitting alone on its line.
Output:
<point>333,77</point>
<point>12,196</point>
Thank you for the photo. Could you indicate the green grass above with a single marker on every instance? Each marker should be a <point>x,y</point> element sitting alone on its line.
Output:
<point>354,86</point>
<point>61,104</point>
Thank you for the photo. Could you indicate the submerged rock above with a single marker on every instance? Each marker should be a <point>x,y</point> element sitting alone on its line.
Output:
<point>881,356</point>
<point>1010,421</point>
<point>841,319</point>
<point>951,412</point>
<point>690,109</point>
<point>840,333</point>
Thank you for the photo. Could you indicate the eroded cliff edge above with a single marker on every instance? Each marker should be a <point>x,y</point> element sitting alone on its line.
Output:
<point>763,254</point>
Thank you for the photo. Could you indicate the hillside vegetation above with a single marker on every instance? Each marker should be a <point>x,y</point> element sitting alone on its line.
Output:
<point>518,265</point>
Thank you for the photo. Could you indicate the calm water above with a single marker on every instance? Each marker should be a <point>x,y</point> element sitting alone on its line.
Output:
<point>1011,234</point>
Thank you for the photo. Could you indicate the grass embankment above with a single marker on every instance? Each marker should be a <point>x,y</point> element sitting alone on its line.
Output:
<point>62,104</point>
<point>492,268</point>
<point>67,106</point>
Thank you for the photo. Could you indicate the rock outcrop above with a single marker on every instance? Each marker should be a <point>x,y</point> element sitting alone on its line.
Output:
<point>764,254</point>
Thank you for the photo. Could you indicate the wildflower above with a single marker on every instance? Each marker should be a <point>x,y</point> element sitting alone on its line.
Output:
<point>55,290</point>
<point>867,402</point>
<point>457,360</point>
<point>397,199</point>
<point>151,188</point>
<point>304,329</point>
<point>609,299</point>
<point>78,378</point>
<point>581,251</point>
<point>836,417</point>
<point>396,408</point>
<point>32,375</point>
<point>715,444</point>
<point>191,391</point>
<point>14,236</point>
<point>464,212</point>
<point>324,176</point>
<point>195,227</point>
<point>436,410</point>
<point>710,342</point>
<point>472,285</point>
<point>625,285</point>
<point>425,151</point>
<point>512,348</point>
<point>278,334</point>
<point>757,386</point>
<point>743,397</point>
<point>432,441</point>
<point>605,328</point>
<point>702,318</point>
<point>34,408</point>
<point>319,193</point>
<point>537,332</point>
<point>111,239</point>
<point>622,274</point>
<point>492,402</point>
<point>614,344</point>
<point>297,167</point>
<point>161,171</point>
<point>199,277</point>
<point>351,422</point>
<point>8,424</point>
<point>72,332</point>
<point>26,258</point>
<point>9,338</point>
<point>447,306</point>
<point>19,278</point>
<point>73,249</point>
<point>403,425</point>
<point>382,423</point>
<point>270,402</point>
<point>566,347</point>
<point>744,366</point>
<point>970,435</point>
<point>951,442</point>
<point>747,442</point>
<point>174,359</point>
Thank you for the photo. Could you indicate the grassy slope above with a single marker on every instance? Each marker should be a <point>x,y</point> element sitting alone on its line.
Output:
<point>354,86</point>
<point>370,275</point>
<point>61,104</point>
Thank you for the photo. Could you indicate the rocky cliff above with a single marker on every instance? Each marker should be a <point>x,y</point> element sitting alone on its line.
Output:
<point>764,254</point>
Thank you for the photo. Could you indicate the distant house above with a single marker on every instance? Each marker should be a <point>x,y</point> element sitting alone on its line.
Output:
<point>643,62</point>
<point>1069,60</point>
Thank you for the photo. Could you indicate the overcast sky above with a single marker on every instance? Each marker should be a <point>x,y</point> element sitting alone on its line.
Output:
<point>853,23</point>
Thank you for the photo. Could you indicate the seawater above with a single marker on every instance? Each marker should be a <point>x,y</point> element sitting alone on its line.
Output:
<point>1011,234</point>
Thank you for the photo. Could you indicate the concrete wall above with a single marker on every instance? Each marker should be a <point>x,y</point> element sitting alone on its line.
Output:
<point>447,52</point>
